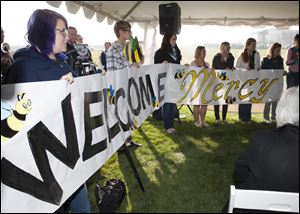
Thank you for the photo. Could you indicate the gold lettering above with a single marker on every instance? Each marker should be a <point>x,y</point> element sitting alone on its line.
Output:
<point>204,101</point>
<point>231,84</point>
<point>215,90</point>
<point>206,76</point>
<point>194,76</point>
<point>263,90</point>
<point>251,82</point>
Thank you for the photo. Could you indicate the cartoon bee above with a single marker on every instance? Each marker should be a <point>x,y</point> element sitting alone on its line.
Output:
<point>230,100</point>
<point>223,76</point>
<point>132,51</point>
<point>111,95</point>
<point>12,124</point>
<point>154,102</point>
<point>179,74</point>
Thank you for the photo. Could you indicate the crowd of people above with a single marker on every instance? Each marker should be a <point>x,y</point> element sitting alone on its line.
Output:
<point>51,55</point>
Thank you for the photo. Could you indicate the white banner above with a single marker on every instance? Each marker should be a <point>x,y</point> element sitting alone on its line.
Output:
<point>54,136</point>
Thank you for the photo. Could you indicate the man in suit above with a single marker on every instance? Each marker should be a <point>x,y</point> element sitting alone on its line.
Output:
<point>271,160</point>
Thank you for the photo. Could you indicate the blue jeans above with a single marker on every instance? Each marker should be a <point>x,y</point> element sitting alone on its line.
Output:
<point>79,201</point>
<point>292,79</point>
<point>168,114</point>
<point>245,112</point>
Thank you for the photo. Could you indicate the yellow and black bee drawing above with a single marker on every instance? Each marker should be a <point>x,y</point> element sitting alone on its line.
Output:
<point>179,74</point>
<point>132,51</point>
<point>223,76</point>
<point>154,102</point>
<point>12,124</point>
<point>230,100</point>
<point>111,95</point>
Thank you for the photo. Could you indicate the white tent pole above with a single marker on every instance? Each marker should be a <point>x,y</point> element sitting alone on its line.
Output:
<point>146,52</point>
<point>153,45</point>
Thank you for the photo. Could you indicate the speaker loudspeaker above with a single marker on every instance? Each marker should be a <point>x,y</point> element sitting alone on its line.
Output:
<point>169,18</point>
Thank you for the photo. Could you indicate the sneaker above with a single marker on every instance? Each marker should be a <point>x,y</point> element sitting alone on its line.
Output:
<point>205,125</point>
<point>273,120</point>
<point>171,131</point>
<point>245,122</point>
<point>224,122</point>
<point>218,121</point>
<point>198,125</point>
<point>133,144</point>
<point>267,121</point>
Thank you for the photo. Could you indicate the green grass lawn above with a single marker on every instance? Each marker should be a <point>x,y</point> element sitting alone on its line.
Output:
<point>188,172</point>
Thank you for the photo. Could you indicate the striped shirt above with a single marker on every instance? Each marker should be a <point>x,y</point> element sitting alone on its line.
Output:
<point>115,59</point>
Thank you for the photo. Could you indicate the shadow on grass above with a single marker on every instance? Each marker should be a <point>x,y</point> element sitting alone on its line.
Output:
<point>188,172</point>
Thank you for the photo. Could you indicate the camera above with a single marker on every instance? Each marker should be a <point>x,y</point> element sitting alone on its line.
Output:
<point>84,65</point>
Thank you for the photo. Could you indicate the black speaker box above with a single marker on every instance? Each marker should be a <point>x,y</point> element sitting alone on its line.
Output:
<point>169,18</point>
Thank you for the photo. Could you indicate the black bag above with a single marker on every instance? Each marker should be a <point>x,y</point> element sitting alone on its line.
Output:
<point>110,196</point>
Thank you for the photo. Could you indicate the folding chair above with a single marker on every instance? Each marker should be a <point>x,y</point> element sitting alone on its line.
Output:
<point>263,200</point>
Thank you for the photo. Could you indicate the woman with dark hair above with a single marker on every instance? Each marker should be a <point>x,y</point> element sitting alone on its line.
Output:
<point>272,61</point>
<point>168,53</point>
<point>249,59</point>
<point>292,78</point>
<point>43,60</point>
<point>223,60</point>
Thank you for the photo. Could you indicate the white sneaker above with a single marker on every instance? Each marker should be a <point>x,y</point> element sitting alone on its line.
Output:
<point>268,121</point>
<point>171,131</point>
<point>205,125</point>
<point>198,125</point>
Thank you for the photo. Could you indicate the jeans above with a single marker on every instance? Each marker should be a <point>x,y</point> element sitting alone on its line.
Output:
<point>224,111</point>
<point>168,114</point>
<point>245,112</point>
<point>292,79</point>
<point>267,111</point>
<point>79,202</point>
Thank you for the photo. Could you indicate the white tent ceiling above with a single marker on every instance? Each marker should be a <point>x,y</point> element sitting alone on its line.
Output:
<point>281,14</point>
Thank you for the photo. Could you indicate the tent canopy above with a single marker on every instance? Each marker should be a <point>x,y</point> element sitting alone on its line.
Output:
<point>281,14</point>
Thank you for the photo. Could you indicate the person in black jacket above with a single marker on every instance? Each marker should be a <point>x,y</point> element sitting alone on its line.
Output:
<point>168,53</point>
<point>43,60</point>
<point>6,59</point>
<point>271,161</point>
<point>107,45</point>
<point>73,53</point>
<point>272,61</point>
<point>223,60</point>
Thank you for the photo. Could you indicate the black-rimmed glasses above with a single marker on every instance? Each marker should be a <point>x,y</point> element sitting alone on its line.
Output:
<point>64,31</point>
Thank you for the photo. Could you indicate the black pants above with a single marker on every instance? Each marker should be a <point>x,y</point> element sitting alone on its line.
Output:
<point>245,112</point>
<point>224,111</point>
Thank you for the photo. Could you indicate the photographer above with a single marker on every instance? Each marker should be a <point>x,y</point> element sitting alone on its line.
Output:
<point>6,59</point>
<point>79,56</point>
